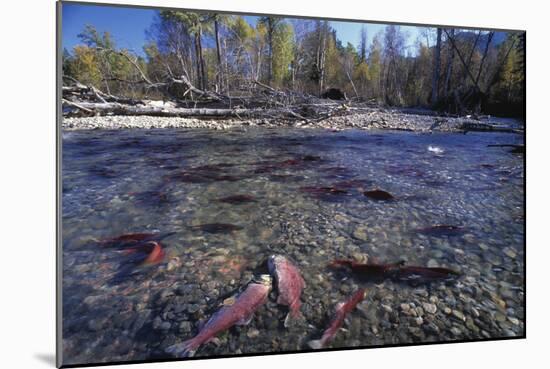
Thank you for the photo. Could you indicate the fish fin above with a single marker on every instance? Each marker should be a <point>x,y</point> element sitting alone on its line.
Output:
<point>288,320</point>
<point>246,320</point>
<point>293,316</point>
<point>315,344</point>
<point>183,349</point>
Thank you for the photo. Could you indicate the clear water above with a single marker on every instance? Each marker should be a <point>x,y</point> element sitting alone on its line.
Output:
<point>126,181</point>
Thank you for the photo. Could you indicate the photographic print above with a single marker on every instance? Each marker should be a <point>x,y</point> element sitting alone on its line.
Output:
<point>241,184</point>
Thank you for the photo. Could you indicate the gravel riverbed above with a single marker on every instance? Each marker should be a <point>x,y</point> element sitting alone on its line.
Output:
<point>130,180</point>
<point>418,121</point>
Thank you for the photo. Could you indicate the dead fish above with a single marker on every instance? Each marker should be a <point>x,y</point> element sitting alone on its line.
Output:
<point>415,272</point>
<point>130,237</point>
<point>342,310</point>
<point>136,261</point>
<point>290,285</point>
<point>218,228</point>
<point>441,230</point>
<point>237,199</point>
<point>398,271</point>
<point>240,312</point>
<point>369,269</point>
<point>155,254</point>
<point>133,239</point>
<point>378,194</point>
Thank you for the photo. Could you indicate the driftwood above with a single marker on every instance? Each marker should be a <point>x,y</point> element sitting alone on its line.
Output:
<point>263,102</point>
<point>484,127</point>
<point>114,108</point>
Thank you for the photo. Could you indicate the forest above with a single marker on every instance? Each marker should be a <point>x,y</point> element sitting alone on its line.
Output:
<point>194,58</point>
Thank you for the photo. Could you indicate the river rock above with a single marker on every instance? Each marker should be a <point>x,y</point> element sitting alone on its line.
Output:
<point>360,233</point>
<point>458,314</point>
<point>429,308</point>
<point>510,252</point>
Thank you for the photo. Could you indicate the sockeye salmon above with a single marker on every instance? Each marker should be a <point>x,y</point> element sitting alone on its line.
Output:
<point>342,310</point>
<point>396,271</point>
<point>239,313</point>
<point>290,285</point>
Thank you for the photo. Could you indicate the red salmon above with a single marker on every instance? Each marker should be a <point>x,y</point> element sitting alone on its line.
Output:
<point>398,271</point>
<point>289,285</point>
<point>342,310</point>
<point>240,312</point>
<point>155,255</point>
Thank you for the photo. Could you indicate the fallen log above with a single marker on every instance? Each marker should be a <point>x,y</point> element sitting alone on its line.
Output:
<point>484,127</point>
<point>122,109</point>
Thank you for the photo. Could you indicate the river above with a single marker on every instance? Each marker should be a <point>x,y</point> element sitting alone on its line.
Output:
<point>176,181</point>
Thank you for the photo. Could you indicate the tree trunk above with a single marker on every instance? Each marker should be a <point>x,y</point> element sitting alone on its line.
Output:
<point>489,39</point>
<point>204,76</point>
<point>198,57</point>
<point>436,69</point>
<point>449,68</point>
<point>270,50</point>
<point>219,79</point>
<point>321,57</point>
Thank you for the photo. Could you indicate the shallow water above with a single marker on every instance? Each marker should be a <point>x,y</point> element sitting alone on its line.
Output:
<point>127,181</point>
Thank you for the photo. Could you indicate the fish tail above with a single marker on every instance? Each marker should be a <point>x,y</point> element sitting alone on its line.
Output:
<point>183,349</point>
<point>316,344</point>
<point>294,314</point>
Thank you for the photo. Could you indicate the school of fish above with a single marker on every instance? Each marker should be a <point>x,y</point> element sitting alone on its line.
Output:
<point>145,249</point>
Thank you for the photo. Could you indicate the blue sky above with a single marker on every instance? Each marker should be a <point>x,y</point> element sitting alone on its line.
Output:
<point>128,25</point>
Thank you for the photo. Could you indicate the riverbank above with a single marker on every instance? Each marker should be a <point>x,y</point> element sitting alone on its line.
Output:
<point>376,118</point>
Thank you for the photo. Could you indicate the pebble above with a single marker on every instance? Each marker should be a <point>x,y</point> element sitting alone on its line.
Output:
<point>193,308</point>
<point>185,327</point>
<point>431,328</point>
<point>514,321</point>
<point>252,333</point>
<point>96,324</point>
<point>510,252</point>
<point>166,293</point>
<point>360,233</point>
<point>432,263</point>
<point>429,308</point>
<point>456,331</point>
<point>458,314</point>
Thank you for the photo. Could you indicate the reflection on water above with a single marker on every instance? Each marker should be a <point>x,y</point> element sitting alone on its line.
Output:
<point>233,198</point>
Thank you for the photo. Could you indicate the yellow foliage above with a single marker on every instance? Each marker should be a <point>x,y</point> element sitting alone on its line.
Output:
<point>86,66</point>
<point>361,72</point>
